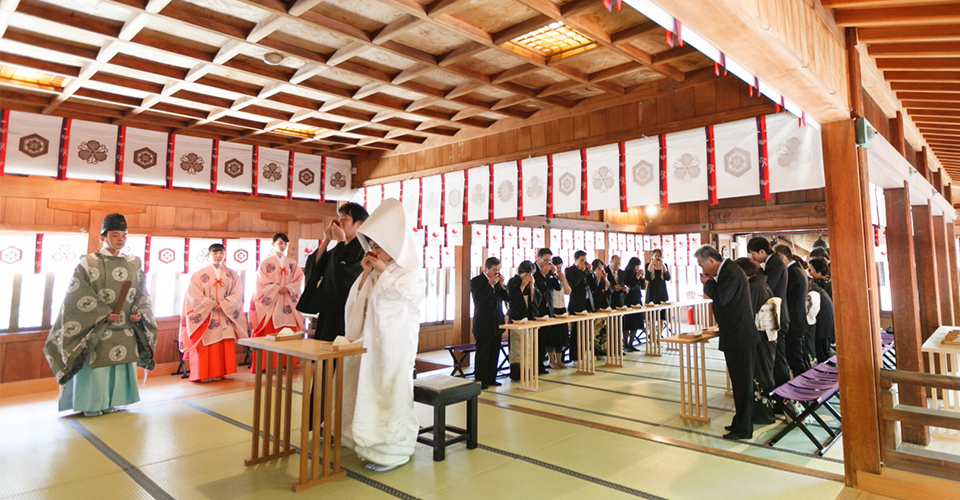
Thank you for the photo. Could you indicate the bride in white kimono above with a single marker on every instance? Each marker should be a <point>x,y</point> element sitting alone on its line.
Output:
<point>383,312</point>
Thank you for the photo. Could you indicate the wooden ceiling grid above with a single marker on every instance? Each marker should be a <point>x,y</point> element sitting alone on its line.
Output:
<point>370,74</point>
<point>916,44</point>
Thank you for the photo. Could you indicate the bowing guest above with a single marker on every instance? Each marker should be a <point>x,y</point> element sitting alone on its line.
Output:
<point>766,350</point>
<point>726,284</point>
<point>489,292</point>
<point>759,251</point>
<point>581,282</point>
<point>618,292</point>
<point>331,271</point>
<point>823,331</point>
<point>634,284</point>
<point>797,287</point>
<point>212,319</point>
<point>524,302</point>
<point>556,335</point>
<point>383,313</point>
<point>602,291</point>
<point>273,304</point>
<point>819,270</point>
<point>546,280</point>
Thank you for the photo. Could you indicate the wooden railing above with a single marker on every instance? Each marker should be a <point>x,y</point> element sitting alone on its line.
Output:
<point>913,458</point>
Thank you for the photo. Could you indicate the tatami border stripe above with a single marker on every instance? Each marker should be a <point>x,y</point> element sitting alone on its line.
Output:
<point>624,393</point>
<point>717,387</point>
<point>573,473</point>
<point>131,470</point>
<point>353,475</point>
<point>671,427</point>
<point>773,464</point>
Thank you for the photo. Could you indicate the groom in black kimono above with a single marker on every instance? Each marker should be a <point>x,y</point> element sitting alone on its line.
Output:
<point>726,284</point>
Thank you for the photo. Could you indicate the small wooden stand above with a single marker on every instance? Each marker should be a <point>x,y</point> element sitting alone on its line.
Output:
<point>316,466</point>
<point>693,374</point>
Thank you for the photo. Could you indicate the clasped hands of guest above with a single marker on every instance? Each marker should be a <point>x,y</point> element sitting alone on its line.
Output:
<point>495,279</point>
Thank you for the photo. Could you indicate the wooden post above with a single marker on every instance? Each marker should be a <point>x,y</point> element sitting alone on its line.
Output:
<point>896,134</point>
<point>906,305</point>
<point>462,264</point>
<point>929,286</point>
<point>857,327</point>
<point>952,267</point>
<point>947,314</point>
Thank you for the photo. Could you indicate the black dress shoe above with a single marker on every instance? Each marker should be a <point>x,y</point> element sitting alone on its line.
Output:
<point>734,436</point>
<point>630,348</point>
<point>728,427</point>
<point>543,370</point>
<point>484,386</point>
<point>495,384</point>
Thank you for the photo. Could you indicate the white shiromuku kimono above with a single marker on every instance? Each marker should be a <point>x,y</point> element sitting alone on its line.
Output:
<point>378,418</point>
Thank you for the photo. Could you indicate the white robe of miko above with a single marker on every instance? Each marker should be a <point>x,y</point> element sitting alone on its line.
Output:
<point>378,418</point>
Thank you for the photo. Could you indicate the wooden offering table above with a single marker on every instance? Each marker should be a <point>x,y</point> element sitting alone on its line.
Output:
<point>942,352</point>
<point>525,336</point>
<point>693,373</point>
<point>272,405</point>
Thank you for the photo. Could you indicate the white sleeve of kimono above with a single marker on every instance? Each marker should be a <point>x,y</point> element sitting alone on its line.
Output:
<point>356,309</point>
<point>403,293</point>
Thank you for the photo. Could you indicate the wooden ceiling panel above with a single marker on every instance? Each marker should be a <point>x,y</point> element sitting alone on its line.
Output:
<point>595,60</point>
<point>539,79</point>
<point>41,54</point>
<point>491,16</point>
<point>311,36</point>
<point>578,93</point>
<point>610,22</point>
<point>368,15</point>
<point>183,33</point>
<point>431,39</point>
<point>384,61</point>
<point>636,78</point>
<point>240,14</point>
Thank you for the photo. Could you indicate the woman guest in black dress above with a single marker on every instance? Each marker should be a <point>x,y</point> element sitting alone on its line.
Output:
<point>632,323</point>
<point>819,270</point>
<point>524,302</point>
<point>555,336</point>
<point>657,276</point>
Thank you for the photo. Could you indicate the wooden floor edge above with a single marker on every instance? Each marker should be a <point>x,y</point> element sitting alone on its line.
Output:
<point>48,384</point>
<point>896,487</point>
<point>672,442</point>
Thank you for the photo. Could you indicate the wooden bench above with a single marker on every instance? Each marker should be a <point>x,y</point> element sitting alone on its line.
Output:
<point>440,391</point>
<point>461,354</point>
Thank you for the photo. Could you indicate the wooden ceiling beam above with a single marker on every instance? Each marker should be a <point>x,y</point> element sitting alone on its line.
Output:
<point>861,4</point>
<point>442,6</point>
<point>920,63</point>
<point>462,90</point>
<point>587,27</point>
<point>395,29</point>
<point>927,33</point>
<point>921,76</point>
<point>511,101</point>
<point>898,16</point>
<point>614,72</point>
<point>460,53</point>
<point>930,105</point>
<point>673,54</point>
<point>933,120</point>
<point>577,7</point>
<point>928,96</point>
<point>633,32</point>
<point>515,72</point>
<point>915,49</point>
<point>347,52</point>
<point>925,86</point>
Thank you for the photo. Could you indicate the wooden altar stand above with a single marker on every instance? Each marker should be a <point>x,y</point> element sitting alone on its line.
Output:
<point>693,373</point>
<point>272,406</point>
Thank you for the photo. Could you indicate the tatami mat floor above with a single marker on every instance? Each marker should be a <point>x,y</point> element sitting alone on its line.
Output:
<point>612,435</point>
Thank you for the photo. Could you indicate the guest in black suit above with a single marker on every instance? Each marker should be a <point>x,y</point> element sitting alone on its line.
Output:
<point>617,278</point>
<point>797,287</point>
<point>581,282</point>
<point>634,283</point>
<point>819,270</point>
<point>489,293</point>
<point>546,281</point>
<point>759,251</point>
<point>823,331</point>
<point>602,289</point>
<point>524,302</point>
<point>726,284</point>
<point>766,349</point>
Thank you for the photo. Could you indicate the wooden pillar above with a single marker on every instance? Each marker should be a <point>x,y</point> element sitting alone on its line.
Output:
<point>462,263</point>
<point>952,268</point>
<point>928,284</point>
<point>947,314</point>
<point>906,304</point>
<point>857,327</point>
<point>896,134</point>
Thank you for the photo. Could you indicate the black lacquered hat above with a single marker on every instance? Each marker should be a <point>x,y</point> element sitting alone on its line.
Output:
<point>113,222</point>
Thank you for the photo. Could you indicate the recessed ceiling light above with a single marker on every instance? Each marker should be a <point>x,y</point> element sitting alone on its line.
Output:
<point>272,58</point>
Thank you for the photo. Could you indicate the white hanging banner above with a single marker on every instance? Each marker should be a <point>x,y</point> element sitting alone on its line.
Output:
<point>535,186</point>
<point>589,241</point>
<point>431,201</point>
<point>448,257</point>
<point>136,246</point>
<point>242,255</point>
<point>556,240</point>
<point>411,200</point>
<point>199,248</point>
<point>600,243</point>
<point>566,182</point>
<point>538,238</point>
<point>62,252</point>
<point>18,253</point>
<point>145,157</point>
<point>234,164</point>
<point>494,236</point>
<point>687,166</point>
<point>505,190</point>
<point>33,144</point>
<point>339,179</point>
<point>191,162</point>
<point>166,254</point>
<point>510,237</point>
<point>603,177</point>
<point>478,201</point>
<point>683,246</point>
<point>304,249</point>
<point>525,237</point>
<point>453,210</point>
<point>795,154</point>
<point>735,153</point>
<point>92,151</point>
<point>306,176</point>
<point>478,236</point>
<point>643,172</point>
<point>391,190</point>
<point>435,235</point>
<point>578,238</point>
<point>431,257</point>
<point>274,165</point>
<point>419,238</point>
<point>374,197</point>
<point>566,239</point>
<point>454,235</point>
